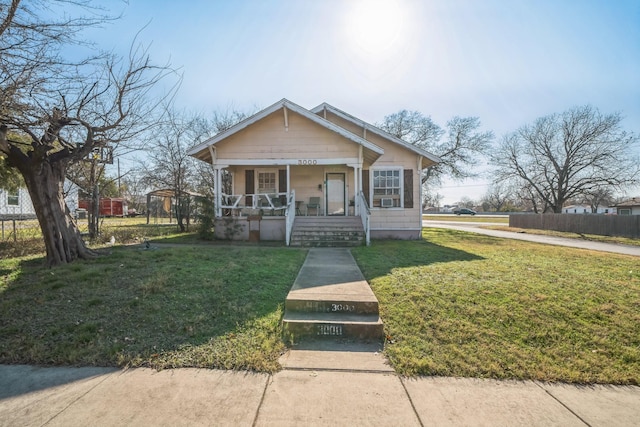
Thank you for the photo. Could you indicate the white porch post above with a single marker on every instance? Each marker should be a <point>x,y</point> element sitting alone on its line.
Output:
<point>358,174</point>
<point>356,190</point>
<point>288,181</point>
<point>420,186</point>
<point>218,192</point>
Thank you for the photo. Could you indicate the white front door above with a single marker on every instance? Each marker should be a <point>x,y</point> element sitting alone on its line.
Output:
<point>335,193</point>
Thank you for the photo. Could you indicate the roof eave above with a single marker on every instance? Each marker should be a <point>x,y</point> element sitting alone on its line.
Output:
<point>433,159</point>
<point>200,151</point>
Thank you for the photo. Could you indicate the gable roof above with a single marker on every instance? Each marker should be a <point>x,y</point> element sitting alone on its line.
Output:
<point>634,201</point>
<point>201,151</point>
<point>428,158</point>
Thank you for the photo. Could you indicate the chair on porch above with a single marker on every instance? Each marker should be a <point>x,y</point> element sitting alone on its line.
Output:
<point>314,203</point>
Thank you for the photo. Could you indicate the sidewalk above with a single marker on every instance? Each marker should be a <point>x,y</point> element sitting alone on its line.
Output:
<point>32,396</point>
<point>548,240</point>
<point>322,383</point>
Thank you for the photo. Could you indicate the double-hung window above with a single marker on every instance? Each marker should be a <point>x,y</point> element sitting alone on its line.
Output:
<point>387,188</point>
<point>13,198</point>
<point>267,182</point>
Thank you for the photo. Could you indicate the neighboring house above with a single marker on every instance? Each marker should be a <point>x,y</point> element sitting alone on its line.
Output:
<point>293,162</point>
<point>71,195</point>
<point>629,207</point>
<point>16,204</point>
<point>586,209</point>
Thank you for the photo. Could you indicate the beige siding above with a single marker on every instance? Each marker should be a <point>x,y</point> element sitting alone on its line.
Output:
<point>269,139</point>
<point>394,156</point>
<point>304,180</point>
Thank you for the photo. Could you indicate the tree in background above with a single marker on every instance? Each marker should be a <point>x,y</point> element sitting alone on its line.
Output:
<point>204,127</point>
<point>68,110</point>
<point>498,198</point>
<point>168,166</point>
<point>568,155</point>
<point>599,196</point>
<point>460,147</point>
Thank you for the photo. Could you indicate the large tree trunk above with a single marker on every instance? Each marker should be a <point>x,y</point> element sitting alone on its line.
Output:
<point>62,237</point>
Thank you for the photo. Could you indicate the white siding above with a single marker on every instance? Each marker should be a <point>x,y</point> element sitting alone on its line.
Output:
<point>24,206</point>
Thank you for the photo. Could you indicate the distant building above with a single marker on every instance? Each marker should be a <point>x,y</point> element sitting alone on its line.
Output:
<point>586,209</point>
<point>16,204</point>
<point>628,207</point>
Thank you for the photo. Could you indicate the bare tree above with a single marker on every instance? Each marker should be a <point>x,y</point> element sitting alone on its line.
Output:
<point>69,111</point>
<point>168,165</point>
<point>431,199</point>
<point>597,197</point>
<point>466,202</point>
<point>460,147</point>
<point>203,127</point>
<point>498,196</point>
<point>566,155</point>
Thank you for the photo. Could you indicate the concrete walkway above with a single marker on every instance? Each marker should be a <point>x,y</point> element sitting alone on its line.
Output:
<point>322,383</point>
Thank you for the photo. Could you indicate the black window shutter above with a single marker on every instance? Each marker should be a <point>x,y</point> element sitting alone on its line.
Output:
<point>282,185</point>
<point>249,186</point>
<point>365,185</point>
<point>408,188</point>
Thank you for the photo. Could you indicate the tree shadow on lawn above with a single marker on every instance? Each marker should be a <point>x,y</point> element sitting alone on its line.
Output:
<point>383,256</point>
<point>171,307</point>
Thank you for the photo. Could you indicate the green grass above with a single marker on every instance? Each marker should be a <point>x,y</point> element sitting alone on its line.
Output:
<point>467,218</point>
<point>198,306</point>
<point>463,304</point>
<point>569,235</point>
<point>27,240</point>
<point>505,219</point>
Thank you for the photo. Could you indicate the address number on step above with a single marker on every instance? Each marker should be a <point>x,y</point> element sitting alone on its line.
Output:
<point>342,307</point>
<point>307,162</point>
<point>333,330</point>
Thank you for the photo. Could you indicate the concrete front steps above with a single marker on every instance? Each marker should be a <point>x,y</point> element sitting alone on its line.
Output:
<point>327,231</point>
<point>331,299</point>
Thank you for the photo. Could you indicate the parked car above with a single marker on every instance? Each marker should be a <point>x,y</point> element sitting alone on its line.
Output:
<point>464,211</point>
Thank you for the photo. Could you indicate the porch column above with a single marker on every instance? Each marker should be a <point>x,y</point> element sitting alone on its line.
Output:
<point>288,181</point>
<point>217,189</point>
<point>357,186</point>
<point>356,190</point>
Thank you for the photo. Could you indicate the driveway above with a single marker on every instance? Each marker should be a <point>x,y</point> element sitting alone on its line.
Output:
<point>476,227</point>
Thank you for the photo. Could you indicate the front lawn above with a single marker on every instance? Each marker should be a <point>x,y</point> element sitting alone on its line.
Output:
<point>166,307</point>
<point>464,304</point>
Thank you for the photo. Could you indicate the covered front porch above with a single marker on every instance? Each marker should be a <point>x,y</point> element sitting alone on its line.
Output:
<point>264,200</point>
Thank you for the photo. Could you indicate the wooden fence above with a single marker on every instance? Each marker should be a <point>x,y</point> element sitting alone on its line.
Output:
<point>604,225</point>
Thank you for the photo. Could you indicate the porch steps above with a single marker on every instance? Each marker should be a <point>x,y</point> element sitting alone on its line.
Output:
<point>331,299</point>
<point>327,231</point>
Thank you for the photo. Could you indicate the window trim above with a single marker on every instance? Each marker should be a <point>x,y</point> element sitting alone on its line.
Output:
<point>13,197</point>
<point>372,173</point>
<point>274,171</point>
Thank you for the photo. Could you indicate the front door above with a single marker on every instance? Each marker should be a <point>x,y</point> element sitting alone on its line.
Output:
<point>335,193</point>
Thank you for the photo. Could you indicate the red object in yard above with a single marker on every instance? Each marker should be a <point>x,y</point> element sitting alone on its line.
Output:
<point>109,206</point>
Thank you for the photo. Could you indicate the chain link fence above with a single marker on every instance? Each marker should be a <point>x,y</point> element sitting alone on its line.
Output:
<point>21,235</point>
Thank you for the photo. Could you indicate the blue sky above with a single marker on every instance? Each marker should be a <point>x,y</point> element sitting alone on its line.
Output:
<point>504,61</point>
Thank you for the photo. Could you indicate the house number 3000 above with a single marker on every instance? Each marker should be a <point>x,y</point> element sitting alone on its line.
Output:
<point>307,162</point>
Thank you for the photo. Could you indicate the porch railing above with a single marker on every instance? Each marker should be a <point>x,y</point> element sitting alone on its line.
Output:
<point>290,214</point>
<point>258,201</point>
<point>365,215</point>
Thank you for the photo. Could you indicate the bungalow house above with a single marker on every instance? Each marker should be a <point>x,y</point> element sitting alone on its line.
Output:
<point>287,168</point>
